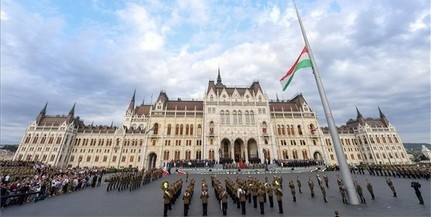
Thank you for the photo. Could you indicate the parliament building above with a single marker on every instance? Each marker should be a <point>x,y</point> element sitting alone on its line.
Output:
<point>239,124</point>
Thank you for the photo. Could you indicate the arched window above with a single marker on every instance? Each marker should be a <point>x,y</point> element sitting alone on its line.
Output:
<point>239,117</point>
<point>304,154</point>
<point>187,129</point>
<point>235,118</point>
<point>181,129</point>
<point>191,129</point>
<point>292,130</point>
<point>252,116</point>
<point>299,130</point>
<point>156,129</point>
<point>285,154</point>
<point>222,117</point>
<point>295,154</point>
<point>169,129</point>
<point>177,129</point>
<point>199,129</point>
<point>227,117</point>
<point>247,117</point>
<point>283,130</point>
<point>198,154</point>
<point>264,128</point>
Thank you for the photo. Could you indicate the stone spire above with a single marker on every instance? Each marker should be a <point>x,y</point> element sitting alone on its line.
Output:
<point>218,78</point>
<point>71,114</point>
<point>359,117</point>
<point>383,118</point>
<point>41,114</point>
<point>131,108</point>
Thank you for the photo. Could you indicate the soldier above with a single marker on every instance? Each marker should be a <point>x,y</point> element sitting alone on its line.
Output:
<point>242,199</point>
<point>223,199</point>
<point>298,182</point>
<point>369,188</point>
<point>186,200</point>
<point>326,179</point>
<point>254,194</point>
<point>204,198</point>
<point>279,194</point>
<point>311,186</point>
<point>391,186</point>
<point>343,192</point>
<point>261,196</point>
<point>270,192</point>
<point>292,190</point>
<point>358,188</point>
<point>322,188</point>
<point>416,186</point>
<point>167,196</point>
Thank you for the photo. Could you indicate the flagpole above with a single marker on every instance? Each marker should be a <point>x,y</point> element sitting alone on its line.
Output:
<point>345,172</point>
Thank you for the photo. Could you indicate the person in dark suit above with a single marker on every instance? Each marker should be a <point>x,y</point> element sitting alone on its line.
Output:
<point>416,186</point>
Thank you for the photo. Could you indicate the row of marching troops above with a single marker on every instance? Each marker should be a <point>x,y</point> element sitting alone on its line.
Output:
<point>257,192</point>
<point>249,190</point>
<point>171,194</point>
<point>405,171</point>
<point>133,179</point>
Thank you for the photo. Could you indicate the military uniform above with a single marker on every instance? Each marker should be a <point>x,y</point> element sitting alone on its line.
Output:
<point>186,200</point>
<point>311,186</point>
<point>391,186</point>
<point>292,190</point>
<point>279,195</point>
<point>369,188</point>
<point>322,188</point>
<point>261,196</point>
<point>204,198</point>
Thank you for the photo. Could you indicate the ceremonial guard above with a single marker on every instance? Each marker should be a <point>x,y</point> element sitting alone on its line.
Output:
<point>254,190</point>
<point>343,192</point>
<point>261,196</point>
<point>279,194</point>
<point>292,190</point>
<point>242,198</point>
<point>311,186</point>
<point>186,200</point>
<point>326,179</point>
<point>298,182</point>
<point>204,198</point>
<point>167,196</point>
<point>322,188</point>
<point>369,188</point>
<point>391,186</point>
<point>270,192</point>
<point>224,198</point>
<point>358,188</point>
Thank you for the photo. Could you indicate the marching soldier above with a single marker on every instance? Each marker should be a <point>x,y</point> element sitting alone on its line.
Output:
<point>279,195</point>
<point>270,192</point>
<point>358,188</point>
<point>242,199</point>
<point>254,194</point>
<point>369,188</point>
<point>186,200</point>
<point>343,192</point>
<point>311,186</point>
<point>204,198</point>
<point>261,196</point>
<point>167,196</point>
<point>292,190</point>
<point>224,199</point>
<point>391,186</point>
<point>322,188</point>
<point>326,179</point>
<point>298,182</point>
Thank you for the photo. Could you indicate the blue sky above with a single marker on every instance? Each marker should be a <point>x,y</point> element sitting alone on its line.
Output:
<point>95,53</point>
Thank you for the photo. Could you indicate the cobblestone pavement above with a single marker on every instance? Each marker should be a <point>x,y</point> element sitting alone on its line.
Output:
<point>147,200</point>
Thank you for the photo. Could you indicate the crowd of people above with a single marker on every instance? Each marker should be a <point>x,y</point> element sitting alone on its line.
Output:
<point>190,163</point>
<point>297,162</point>
<point>23,182</point>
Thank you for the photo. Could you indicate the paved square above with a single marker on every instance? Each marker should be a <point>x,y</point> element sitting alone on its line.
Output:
<point>147,200</point>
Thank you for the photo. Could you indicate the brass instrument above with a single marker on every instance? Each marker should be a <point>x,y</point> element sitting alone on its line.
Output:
<point>165,186</point>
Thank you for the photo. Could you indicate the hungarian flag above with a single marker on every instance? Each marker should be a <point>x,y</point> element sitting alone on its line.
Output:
<point>181,172</point>
<point>303,61</point>
<point>165,172</point>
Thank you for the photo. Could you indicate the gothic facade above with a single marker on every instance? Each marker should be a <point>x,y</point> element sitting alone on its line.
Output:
<point>240,124</point>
